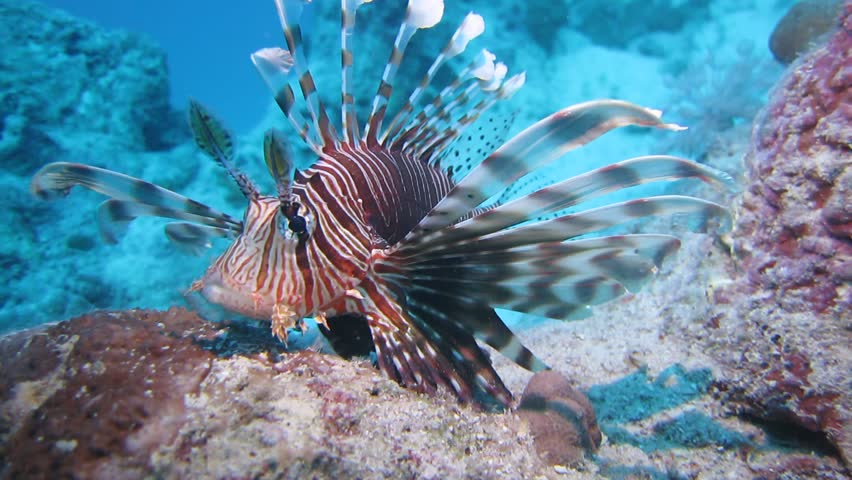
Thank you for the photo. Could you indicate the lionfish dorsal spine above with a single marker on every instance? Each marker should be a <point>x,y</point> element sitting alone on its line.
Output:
<point>419,14</point>
<point>275,66</point>
<point>290,14</point>
<point>471,27</point>
<point>349,117</point>
<point>481,71</point>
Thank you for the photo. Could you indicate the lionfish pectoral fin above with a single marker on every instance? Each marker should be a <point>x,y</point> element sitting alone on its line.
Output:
<point>131,198</point>
<point>194,239</point>
<point>424,354</point>
<point>534,147</point>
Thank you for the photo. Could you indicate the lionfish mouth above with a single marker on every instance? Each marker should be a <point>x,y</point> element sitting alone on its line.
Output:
<point>220,289</point>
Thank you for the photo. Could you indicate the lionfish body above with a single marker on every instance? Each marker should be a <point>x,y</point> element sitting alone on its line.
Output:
<point>383,229</point>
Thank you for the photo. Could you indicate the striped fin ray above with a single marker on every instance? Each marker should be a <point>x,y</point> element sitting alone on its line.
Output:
<point>115,215</point>
<point>479,382</point>
<point>536,146</point>
<point>215,140</point>
<point>587,222</point>
<point>567,299</point>
<point>481,73</point>
<point>442,116</point>
<point>481,321</point>
<point>194,239</point>
<point>290,14</point>
<point>347,59</point>
<point>439,140</point>
<point>419,14</point>
<point>578,189</point>
<point>57,179</point>
<point>275,65</point>
<point>402,350</point>
<point>471,27</point>
<point>627,268</point>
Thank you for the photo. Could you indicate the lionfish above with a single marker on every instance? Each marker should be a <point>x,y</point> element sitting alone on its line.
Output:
<point>386,230</point>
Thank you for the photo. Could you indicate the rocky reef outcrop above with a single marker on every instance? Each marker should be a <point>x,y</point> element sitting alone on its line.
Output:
<point>141,394</point>
<point>789,317</point>
<point>60,75</point>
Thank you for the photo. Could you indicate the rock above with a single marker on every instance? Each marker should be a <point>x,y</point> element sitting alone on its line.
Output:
<point>146,394</point>
<point>800,28</point>
<point>93,396</point>
<point>64,79</point>
<point>788,354</point>
<point>561,419</point>
<point>799,203</point>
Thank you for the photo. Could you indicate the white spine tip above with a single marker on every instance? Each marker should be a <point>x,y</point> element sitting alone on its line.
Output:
<point>472,27</point>
<point>483,66</point>
<point>513,84</point>
<point>424,13</point>
<point>500,71</point>
<point>274,65</point>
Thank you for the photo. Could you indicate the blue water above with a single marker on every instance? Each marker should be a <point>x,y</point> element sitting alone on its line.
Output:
<point>57,266</point>
<point>208,45</point>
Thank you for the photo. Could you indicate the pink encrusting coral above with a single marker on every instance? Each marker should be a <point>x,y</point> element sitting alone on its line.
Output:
<point>795,223</point>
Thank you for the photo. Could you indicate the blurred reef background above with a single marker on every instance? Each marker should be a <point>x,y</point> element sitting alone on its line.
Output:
<point>733,363</point>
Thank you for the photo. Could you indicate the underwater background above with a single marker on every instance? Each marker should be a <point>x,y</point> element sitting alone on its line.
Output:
<point>683,377</point>
<point>115,99</point>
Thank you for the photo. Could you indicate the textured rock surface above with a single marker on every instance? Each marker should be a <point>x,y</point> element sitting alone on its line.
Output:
<point>801,26</point>
<point>797,212</point>
<point>60,75</point>
<point>792,309</point>
<point>140,393</point>
<point>562,421</point>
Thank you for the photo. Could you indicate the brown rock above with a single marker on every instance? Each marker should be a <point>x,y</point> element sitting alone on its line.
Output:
<point>142,394</point>
<point>561,419</point>
<point>801,27</point>
<point>90,397</point>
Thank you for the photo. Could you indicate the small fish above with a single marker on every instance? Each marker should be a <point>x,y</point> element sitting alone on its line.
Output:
<point>391,237</point>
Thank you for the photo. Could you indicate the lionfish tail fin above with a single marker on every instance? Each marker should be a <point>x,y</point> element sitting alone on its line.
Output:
<point>130,198</point>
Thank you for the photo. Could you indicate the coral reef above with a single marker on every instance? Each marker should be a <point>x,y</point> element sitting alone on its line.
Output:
<point>800,28</point>
<point>796,213</point>
<point>561,419</point>
<point>140,394</point>
<point>789,361</point>
<point>63,78</point>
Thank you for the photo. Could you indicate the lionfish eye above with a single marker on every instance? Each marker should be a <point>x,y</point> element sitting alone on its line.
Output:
<point>290,223</point>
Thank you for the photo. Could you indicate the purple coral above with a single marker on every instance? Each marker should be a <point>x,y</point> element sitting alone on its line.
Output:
<point>796,216</point>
